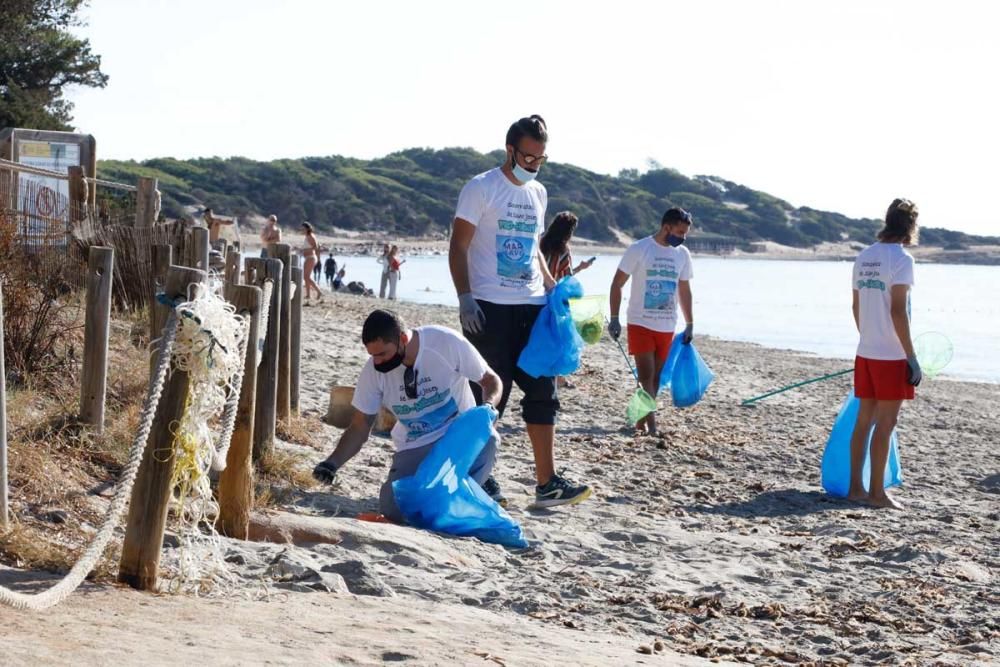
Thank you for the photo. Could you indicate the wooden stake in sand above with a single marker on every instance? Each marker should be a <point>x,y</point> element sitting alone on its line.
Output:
<point>282,251</point>
<point>295,323</point>
<point>147,512</point>
<point>267,376</point>
<point>94,383</point>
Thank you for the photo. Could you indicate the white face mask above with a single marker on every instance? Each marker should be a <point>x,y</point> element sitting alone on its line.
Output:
<point>522,174</point>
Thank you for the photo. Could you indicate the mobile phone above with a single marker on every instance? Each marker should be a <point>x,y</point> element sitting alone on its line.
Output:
<point>591,259</point>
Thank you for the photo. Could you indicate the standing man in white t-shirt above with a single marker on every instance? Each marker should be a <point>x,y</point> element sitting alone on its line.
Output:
<point>885,368</point>
<point>422,376</point>
<point>501,279</point>
<point>661,268</point>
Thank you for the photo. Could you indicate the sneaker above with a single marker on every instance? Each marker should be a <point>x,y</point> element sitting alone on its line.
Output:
<point>492,489</point>
<point>560,491</point>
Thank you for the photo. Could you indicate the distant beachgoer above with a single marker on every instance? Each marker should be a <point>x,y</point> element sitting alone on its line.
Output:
<point>310,252</point>
<point>555,246</point>
<point>383,259</point>
<point>338,282</point>
<point>214,225</point>
<point>271,233</point>
<point>661,266</point>
<point>886,369</point>
<point>394,272</point>
<point>330,270</point>
<point>501,279</point>
<point>422,376</point>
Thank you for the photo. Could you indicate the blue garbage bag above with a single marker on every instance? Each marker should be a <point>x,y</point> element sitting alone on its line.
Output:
<point>554,345</point>
<point>690,378</point>
<point>666,375</point>
<point>442,497</point>
<point>836,468</point>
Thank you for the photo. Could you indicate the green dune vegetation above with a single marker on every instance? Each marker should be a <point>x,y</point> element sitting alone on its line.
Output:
<point>413,192</point>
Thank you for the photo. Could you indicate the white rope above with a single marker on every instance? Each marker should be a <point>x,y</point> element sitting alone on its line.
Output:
<point>37,171</point>
<point>229,414</point>
<point>111,184</point>
<point>79,571</point>
<point>265,315</point>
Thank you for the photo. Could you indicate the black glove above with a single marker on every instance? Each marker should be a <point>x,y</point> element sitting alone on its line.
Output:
<point>614,328</point>
<point>688,334</point>
<point>325,472</point>
<point>913,373</point>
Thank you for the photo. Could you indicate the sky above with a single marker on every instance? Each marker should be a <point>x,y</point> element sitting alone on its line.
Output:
<point>839,106</point>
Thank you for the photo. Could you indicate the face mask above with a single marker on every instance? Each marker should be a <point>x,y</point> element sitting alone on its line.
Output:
<point>674,240</point>
<point>393,363</point>
<point>522,174</point>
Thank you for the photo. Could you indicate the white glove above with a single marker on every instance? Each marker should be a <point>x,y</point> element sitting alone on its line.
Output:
<point>470,314</point>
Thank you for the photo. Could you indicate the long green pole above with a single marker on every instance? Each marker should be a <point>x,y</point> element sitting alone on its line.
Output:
<point>797,384</point>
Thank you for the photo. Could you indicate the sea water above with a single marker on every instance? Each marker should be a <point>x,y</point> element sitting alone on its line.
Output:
<point>795,305</point>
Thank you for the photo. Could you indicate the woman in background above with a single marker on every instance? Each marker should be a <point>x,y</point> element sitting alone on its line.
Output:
<point>555,246</point>
<point>394,265</point>
<point>310,253</point>
<point>885,368</point>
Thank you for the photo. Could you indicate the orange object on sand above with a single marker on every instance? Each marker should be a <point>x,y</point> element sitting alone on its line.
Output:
<point>373,517</point>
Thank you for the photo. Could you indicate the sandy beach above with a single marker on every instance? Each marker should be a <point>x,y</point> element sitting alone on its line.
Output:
<point>714,542</point>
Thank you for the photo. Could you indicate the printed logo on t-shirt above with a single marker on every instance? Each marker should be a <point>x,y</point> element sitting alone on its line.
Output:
<point>514,256</point>
<point>419,426</point>
<point>659,295</point>
<point>868,276</point>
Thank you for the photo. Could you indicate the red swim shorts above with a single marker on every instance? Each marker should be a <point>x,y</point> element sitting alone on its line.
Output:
<point>881,380</point>
<point>641,339</point>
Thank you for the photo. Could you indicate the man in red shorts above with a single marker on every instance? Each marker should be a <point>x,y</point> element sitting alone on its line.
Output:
<point>662,269</point>
<point>886,368</point>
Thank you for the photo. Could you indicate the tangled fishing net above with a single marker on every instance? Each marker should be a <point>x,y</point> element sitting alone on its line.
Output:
<point>210,347</point>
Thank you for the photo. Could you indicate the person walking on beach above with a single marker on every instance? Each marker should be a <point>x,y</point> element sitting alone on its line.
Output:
<point>555,246</point>
<point>885,368</point>
<point>271,233</point>
<point>422,376</point>
<point>501,279</point>
<point>383,259</point>
<point>310,253</point>
<point>330,269</point>
<point>661,267</point>
<point>394,265</point>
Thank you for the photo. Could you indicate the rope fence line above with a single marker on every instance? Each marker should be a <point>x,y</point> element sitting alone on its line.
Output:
<point>28,169</point>
<point>65,587</point>
<point>110,184</point>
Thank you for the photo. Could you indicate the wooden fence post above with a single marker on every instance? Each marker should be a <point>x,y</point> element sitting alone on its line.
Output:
<point>198,259</point>
<point>232,275</point>
<point>4,511</point>
<point>162,257</point>
<point>282,251</point>
<point>94,383</point>
<point>78,194</point>
<point>145,202</point>
<point>295,331</point>
<point>147,512</point>
<point>265,420</point>
<point>236,481</point>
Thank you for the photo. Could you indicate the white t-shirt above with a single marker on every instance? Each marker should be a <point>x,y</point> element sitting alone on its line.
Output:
<point>444,365</point>
<point>655,270</point>
<point>503,264</point>
<point>876,270</point>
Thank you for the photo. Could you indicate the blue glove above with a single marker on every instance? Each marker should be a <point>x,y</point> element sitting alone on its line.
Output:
<point>913,373</point>
<point>688,333</point>
<point>470,314</point>
<point>614,328</point>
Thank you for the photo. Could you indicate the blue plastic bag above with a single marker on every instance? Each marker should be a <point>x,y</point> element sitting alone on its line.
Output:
<point>442,497</point>
<point>836,468</point>
<point>554,345</point>
<point>666,375</point>
<point>690,378</point>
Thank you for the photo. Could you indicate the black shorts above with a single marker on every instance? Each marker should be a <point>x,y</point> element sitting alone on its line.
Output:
<point>505,334</point>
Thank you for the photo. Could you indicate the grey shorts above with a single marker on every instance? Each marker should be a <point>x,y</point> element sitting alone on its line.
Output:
<point>406,462</point>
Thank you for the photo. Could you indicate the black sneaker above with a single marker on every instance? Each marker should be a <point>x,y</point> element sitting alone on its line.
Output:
<point>492,489</point>
<point>560,491</point>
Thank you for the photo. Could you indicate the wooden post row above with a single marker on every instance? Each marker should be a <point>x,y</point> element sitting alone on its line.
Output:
<point>232,275</point>
<point>282,251</point>
<point>236,481</point>
<point>147,512</point>
<point>295,324</point>
<point>94,383</point>
<point>4,511</point>
<point>265,417</point>
<point>200,247</point>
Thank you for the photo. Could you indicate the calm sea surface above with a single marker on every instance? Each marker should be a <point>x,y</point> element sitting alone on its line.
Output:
<point>797,305</point>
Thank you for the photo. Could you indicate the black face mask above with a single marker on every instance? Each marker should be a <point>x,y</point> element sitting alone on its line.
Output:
<point>393,363</point>
<point>674,240</point>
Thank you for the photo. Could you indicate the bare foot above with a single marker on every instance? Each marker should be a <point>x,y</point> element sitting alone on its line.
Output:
<point>858,495</point>
<point>884,500</point>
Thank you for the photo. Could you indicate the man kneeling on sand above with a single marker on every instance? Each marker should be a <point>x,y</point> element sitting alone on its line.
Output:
<point>422,376</point>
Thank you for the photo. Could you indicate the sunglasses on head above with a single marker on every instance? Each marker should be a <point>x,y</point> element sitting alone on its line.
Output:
<point>410,382</point>
<point>906,205</point>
